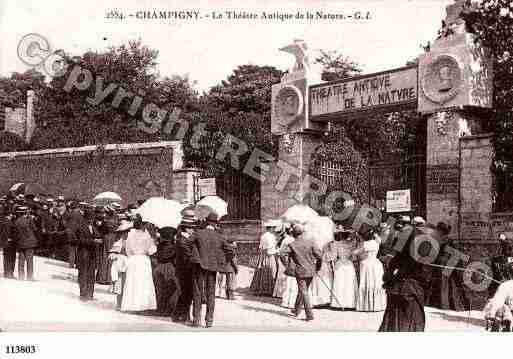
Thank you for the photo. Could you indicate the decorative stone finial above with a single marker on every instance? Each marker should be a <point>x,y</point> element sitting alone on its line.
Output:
<point>299,50</point>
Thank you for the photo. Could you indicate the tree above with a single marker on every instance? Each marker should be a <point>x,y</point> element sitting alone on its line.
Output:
<point>492,23</point>
<point>239,106</point>
<point>336,66</point>
<point>68,118</point>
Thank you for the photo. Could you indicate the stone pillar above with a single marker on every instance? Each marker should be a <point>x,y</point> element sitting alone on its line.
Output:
<point>183,184</point>
<point>445,169</point>
<point>282,186</point>
<point>456,82</point>
<point>476,189</point>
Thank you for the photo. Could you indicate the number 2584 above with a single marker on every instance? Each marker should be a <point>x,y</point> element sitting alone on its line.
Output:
<point>20,349</point>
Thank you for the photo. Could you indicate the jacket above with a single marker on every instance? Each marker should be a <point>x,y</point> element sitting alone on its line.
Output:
<point>305,256</point>
<point>212,251</point>
<point>183,251</point>
<point>6,231</point>
<point>25,233</point>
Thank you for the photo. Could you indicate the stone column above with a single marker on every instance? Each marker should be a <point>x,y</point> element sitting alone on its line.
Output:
<point>282,186</point>
<point>183,184</point>
<point>445,129</point>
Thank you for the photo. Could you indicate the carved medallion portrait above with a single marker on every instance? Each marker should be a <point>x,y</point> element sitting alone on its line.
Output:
<point>442,79</point>
<point>288,105</point>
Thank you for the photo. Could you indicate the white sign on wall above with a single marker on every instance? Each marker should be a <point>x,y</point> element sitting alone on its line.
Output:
<point>398,201</point>
<point>207,187</point>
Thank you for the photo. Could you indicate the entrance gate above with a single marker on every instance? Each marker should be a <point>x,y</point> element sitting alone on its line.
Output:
<point>450,87</point>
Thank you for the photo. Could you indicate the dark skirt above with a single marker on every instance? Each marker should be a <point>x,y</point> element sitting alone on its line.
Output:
<point>167,288</point>
<point>104,264</point>
<point>405,308</point>
<point>448,292</point>
<point>265,275</point>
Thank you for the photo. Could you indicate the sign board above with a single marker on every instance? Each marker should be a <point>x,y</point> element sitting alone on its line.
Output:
<point>442,179</point>
<point>207,187</point>
<point>384,90</point>
<point>502,223</point>
<point>398,201</point>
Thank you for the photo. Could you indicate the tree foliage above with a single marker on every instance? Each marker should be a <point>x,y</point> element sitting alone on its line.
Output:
<point>492,23</point>
<point>70,118</point>
<point>336,66</point>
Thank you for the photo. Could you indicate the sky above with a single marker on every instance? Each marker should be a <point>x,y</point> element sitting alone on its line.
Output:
<point>209,49</point>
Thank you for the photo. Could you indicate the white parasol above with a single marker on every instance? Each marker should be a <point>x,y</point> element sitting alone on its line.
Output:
<point>299,213</point>
<point>161,212</point>
<point>321,230</point>
<point>211,204</point>
<point>106,198</point>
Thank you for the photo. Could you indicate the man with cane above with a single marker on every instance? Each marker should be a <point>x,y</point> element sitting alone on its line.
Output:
<point>304,260</point>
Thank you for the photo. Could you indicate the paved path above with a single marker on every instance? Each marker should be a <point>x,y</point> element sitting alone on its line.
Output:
<point>51,304</point>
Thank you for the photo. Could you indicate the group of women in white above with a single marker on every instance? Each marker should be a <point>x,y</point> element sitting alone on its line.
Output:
<point>351,275</point>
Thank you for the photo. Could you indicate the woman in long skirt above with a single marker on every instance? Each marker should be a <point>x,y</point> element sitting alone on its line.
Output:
<point>167,287</point>
<point>345,285</point>
<point>371,295</point>
<point>266,271</point>
<point>139,293</point>
<point>108,228</point>
<point>406,281</point>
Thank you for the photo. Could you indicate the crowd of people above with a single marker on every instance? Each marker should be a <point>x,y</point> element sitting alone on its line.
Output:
<point>174,271</point>
<point>166,271</point>
<point>359,270</point>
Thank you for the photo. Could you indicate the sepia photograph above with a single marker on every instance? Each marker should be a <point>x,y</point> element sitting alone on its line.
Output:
<point>281,166</point>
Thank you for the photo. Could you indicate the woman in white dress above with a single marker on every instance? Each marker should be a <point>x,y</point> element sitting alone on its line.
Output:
<point>371,295</point>
<point>139,292</point>
<point>345,284</point>
<point>287,288</point>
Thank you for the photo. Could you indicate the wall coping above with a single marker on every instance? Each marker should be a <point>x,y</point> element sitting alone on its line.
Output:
<point>242,221</point>
<point>109,150</point>
<point>476,137</point>
<point>190,169</point>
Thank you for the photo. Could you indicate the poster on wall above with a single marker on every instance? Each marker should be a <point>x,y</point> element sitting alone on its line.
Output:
<point>398,201</point>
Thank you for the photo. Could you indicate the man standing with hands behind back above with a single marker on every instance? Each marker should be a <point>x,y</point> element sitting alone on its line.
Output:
<point>304,260</point>
<point>211,254</point>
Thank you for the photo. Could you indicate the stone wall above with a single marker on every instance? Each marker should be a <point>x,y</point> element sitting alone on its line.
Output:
<point>134,171</point>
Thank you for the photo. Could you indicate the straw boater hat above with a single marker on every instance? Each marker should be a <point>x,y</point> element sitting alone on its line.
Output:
<point>189,218</point>
<point>419,221</point>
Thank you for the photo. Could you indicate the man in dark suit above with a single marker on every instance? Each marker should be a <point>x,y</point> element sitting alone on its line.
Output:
<point>184,266</point>
<point>86,238</point>
<point>211,254</point>
<point>6,242</point>
<point>26,242</point>
<point>306,258</point>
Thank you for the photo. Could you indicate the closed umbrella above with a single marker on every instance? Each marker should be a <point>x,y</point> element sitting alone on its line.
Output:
<point>299,213</point>
<point>106,198</point>
<point>211,205</point>
<point>161,212</point>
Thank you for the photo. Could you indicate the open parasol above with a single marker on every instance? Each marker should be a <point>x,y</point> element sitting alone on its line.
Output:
<point>299,213</point>
<point>211,204</point>
<point>321,230</point>
<point>161,212</point>
<point>27,189</point>
<point>106,198</point>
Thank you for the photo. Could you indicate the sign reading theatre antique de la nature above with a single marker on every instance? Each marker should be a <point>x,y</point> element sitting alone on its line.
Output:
<point>395,88</point>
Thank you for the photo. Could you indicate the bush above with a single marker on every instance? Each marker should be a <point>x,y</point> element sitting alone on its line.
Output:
<point>10,142</point>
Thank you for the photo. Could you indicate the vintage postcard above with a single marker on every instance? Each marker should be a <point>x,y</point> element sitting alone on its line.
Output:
<point>286,166</point>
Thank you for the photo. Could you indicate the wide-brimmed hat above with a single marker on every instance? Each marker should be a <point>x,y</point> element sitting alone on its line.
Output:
<point>22,209</point>
<point>341,229</point>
